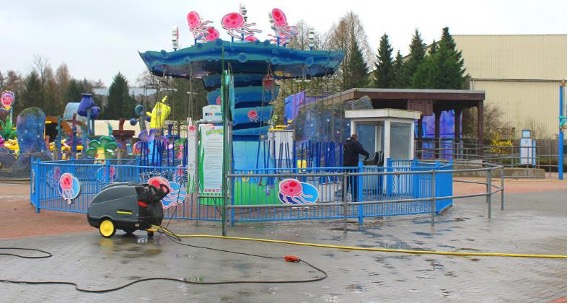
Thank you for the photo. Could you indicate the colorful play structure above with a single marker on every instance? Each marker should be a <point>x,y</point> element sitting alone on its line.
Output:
<point>233,165</point>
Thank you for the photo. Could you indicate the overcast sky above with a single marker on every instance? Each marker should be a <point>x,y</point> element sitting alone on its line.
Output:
<point>98,39</point>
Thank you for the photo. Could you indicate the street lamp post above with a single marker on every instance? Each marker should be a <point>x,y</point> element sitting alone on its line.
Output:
<point>562,124</point>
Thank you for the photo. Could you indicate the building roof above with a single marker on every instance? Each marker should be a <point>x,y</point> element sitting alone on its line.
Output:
<point>412,99</point>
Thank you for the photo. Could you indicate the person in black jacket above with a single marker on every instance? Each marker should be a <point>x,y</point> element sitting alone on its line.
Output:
<point>351,151</point>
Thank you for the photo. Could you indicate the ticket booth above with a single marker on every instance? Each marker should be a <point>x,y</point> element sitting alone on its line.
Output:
<point>389,132</point>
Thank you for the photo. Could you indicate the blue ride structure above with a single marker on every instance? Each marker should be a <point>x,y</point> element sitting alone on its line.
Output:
<point>255,67</point>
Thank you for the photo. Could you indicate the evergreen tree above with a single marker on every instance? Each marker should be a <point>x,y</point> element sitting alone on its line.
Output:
<point>414,59</point>
<point>128,105</point>
<point>449,64</point>
<point>444,68</point>
<point>356,70</point>
<point>118,99</point>
<point>384,70</point>
<point>398,69</point>
<point>31,95</point>
<point>74,91</point>
<point>424,76</point>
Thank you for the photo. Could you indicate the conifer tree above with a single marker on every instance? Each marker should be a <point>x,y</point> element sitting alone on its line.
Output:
<point>398,69</point>
<point>443,68</point>
<point>414,59</point>
<point>356,68</point>
<point>118,99</point>
<point>384,71</point>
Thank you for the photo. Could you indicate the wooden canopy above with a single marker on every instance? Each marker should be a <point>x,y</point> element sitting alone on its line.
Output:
<point>426,101</point>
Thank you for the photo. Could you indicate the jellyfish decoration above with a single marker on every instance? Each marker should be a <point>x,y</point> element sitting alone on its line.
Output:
<point>101,149</point>
<point>197,26</point>
<point>283,31</point>
<point>236,26</point>
<point>293,192</point>
<point>69,187</point>
<point>252,115</point>
<point>52,177</point>
<point>211,34</point>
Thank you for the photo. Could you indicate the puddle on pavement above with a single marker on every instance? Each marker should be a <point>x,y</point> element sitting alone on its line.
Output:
<point>355,288</point>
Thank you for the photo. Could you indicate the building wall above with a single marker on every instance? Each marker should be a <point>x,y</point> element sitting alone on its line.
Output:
<point>521,74</point>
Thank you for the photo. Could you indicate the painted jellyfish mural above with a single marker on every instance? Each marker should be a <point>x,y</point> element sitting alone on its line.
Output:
<point>69,187</point>
<point>252,115</point>
<point>292,191</point>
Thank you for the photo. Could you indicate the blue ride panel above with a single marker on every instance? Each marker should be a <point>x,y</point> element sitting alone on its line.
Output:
<point>253,115</point>
<point>213,82</point>
<point>245,96</point>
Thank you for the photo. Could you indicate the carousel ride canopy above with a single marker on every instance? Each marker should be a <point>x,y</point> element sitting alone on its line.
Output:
<point>253,64</point>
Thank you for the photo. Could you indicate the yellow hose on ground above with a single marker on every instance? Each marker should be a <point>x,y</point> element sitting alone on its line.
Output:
<point>408,251</point>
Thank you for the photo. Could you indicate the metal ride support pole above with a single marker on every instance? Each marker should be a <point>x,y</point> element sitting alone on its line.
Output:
<point>433,200</point>
<point>360,209</point>
<point>488,199</point>
<point>225,110</point>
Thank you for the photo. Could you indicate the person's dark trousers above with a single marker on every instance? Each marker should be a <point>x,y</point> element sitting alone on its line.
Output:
<point>352,185</point>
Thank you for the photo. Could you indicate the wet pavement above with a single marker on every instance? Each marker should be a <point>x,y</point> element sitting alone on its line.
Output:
<point>532,223</point>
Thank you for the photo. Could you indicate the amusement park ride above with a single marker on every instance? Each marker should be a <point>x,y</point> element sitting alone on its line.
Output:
<point>234,137</point>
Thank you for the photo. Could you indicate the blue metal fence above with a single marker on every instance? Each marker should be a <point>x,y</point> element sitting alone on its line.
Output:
<point>400,188</point>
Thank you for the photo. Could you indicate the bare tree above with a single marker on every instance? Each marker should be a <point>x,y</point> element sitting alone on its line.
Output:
<point>342,37</point>
<point>494,128</point>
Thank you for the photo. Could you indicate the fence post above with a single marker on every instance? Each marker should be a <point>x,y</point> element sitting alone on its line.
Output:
<point>502,189</point>
<point>489,173</point>
<point>360,209</point>
<point>34,183</point>
<point>230,197</point>
<point>344,201</point>
<point>433,202</point>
